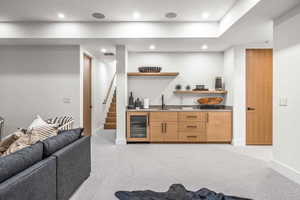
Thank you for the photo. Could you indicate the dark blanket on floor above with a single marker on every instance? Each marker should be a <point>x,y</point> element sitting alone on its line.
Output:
<point>176,192</point>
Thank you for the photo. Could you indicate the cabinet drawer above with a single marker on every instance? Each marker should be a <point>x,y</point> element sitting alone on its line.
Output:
<point>192,116</point>
<point>192,137</point>
<point>163,117</point>
<point>192,126</point>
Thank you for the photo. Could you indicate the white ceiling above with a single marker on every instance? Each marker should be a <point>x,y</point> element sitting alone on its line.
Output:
<point>114,10</point>
<point>255,28</point>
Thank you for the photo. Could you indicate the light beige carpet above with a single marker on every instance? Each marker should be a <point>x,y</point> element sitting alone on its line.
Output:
<point>222,168</point>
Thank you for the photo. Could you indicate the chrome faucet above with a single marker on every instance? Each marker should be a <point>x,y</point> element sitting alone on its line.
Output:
<point>163,106</point>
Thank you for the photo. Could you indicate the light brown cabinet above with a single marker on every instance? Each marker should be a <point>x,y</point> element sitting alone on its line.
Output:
<point>164,127</point>
<point>219,127</point>
<point>192,126</point>
<point>181,126</point>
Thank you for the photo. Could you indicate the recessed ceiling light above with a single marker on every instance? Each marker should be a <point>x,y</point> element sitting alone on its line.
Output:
<point>205,15</point>
<point>152,47</point>
<point>98,15</point>
<point>60,15</point>
<point>136,15</point>
<point>204,47</point>
<point>171,15</point>
<point>103,50</point>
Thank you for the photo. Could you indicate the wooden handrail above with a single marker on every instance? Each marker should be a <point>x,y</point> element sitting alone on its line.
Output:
<point>109,90</point>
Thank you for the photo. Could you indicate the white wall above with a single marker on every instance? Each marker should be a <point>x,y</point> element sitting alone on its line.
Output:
<point>286,85</point>
<point>121,81</point>
<point>194,68</point>
<point>103,72</point>
<point>235,81</point>
<point>35,80</point>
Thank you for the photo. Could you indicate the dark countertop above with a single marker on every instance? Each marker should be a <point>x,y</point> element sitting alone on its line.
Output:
<point>184,108</point>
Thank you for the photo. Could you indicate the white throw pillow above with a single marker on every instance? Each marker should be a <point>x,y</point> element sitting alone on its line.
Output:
<point>37,122</point>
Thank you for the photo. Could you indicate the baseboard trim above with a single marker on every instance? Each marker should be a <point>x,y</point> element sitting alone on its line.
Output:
<point>286,171</point>
<point>121,141</point>
<point>238,142</point>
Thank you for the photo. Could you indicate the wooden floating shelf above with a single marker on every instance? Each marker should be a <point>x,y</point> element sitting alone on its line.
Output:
<point>153,74</point>
<point>200,92</point>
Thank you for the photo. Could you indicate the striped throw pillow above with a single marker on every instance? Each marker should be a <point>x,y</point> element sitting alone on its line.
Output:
<point>42,132</point>
<point>60,120</point>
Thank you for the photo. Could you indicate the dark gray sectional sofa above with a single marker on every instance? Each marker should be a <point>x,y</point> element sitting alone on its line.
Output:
<point>48,170</point>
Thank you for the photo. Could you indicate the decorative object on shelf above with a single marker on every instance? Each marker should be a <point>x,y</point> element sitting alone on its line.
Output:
<point>178,87</point>
<point>188,87</point>
<point>200,88</point>
<point>131,101</point>
<point>146,103</point>
<point>148,69</point>
<point>137,103</point>
<point>210,100</point>
<point>219,83</point>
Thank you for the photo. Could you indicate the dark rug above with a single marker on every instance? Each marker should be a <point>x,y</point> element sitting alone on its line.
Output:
<point>176,192</point>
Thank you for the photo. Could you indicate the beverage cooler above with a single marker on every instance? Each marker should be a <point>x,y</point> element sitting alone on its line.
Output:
<point>138,127</point>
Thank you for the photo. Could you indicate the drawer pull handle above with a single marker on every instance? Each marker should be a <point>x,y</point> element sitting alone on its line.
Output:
<point>191,116</point>
<point>192,136</point>
<point>191,126</point>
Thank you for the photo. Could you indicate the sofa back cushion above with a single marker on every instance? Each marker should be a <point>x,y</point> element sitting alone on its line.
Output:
<point>64,138</point>
<point>20,160</point>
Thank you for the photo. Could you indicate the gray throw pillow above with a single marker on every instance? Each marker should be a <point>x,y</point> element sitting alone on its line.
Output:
<point>64,138</point>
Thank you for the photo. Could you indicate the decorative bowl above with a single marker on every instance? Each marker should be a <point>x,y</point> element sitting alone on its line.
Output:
<point>148,69</point>
<point>210,100</point>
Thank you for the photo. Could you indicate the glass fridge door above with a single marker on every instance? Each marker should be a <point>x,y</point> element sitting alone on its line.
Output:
<point>138,126</point>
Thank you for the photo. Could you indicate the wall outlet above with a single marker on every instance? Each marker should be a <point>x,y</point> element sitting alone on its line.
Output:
<point>283,101</point>
<point>67,100</point>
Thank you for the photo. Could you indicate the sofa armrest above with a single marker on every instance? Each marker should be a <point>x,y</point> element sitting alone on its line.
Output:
<point>35,183</point>
<point>73,165</point>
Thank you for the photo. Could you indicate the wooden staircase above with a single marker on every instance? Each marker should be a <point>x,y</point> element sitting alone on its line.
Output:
<point>111,118</point>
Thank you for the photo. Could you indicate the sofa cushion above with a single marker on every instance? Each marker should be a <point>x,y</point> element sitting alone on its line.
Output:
<point>18,161</point>
<point>58,142</point>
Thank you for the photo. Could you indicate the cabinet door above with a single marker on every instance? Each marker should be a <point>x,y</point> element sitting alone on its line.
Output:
<point>219,127</point>
<point>171,132</point>
<point>156,131</point>
<point>163,116</point>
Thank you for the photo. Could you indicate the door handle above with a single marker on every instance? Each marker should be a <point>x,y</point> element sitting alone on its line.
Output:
<point>165,127</point>
<point>250,109</point>
<point>162,127</point>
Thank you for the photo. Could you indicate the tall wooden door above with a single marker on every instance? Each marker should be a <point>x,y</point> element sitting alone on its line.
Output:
<point>87,94</point>
<point>259,84</point>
